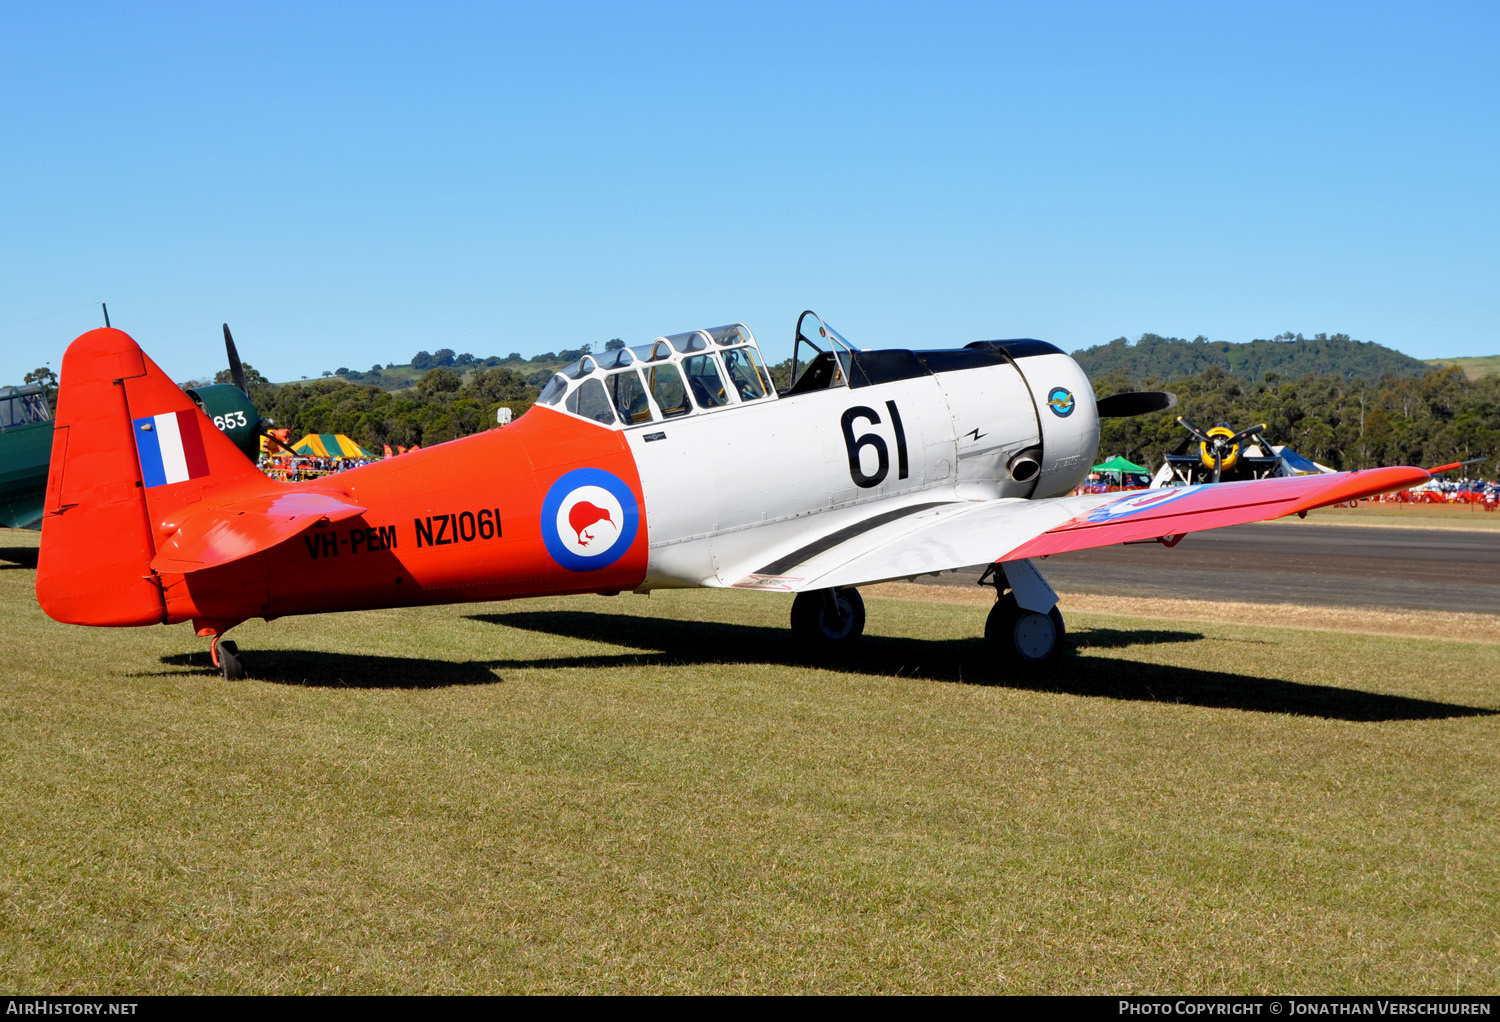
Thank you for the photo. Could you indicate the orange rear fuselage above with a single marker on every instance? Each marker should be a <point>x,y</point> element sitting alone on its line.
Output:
<point>461,521</point>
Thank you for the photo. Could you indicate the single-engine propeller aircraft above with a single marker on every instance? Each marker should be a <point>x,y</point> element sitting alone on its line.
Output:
<point>672,464</point>
<point>1222,455</point>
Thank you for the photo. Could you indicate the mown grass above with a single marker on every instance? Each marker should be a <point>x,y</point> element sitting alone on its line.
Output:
<point>661,795</point>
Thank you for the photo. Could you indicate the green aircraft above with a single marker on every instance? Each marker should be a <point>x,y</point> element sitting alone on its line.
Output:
<point>26,437</point>
<point>25,451</point>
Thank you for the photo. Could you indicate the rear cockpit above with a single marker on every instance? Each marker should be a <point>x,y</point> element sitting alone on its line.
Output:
<point>679,375</point>
<point>23,406</point>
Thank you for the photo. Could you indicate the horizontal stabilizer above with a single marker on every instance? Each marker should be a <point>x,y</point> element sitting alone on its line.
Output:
<point>227,532</point>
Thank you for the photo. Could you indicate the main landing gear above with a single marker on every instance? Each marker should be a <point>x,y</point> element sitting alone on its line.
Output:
<point>1024,627</point>
<point>825,618</point>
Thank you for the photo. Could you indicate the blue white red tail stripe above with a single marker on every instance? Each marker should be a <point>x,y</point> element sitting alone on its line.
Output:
<point>170,448</point>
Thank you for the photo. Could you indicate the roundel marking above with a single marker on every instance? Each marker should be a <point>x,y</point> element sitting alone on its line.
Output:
<point>1061,401</point>
<point>589,519</point>
<point>1149,501</point>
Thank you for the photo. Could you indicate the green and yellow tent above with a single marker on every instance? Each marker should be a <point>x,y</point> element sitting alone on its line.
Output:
<point>330,445</point>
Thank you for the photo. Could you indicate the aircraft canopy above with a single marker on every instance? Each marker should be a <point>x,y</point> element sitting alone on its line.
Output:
<point>20,406</point>
<point>679,374</point>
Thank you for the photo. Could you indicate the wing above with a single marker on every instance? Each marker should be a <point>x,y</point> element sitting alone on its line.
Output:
<point>227,532</point>
<point>926,538</point>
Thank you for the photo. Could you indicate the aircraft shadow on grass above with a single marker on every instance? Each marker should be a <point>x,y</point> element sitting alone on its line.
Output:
<point>18,557</point>
<point>964,660</point>
<point>316,669</point>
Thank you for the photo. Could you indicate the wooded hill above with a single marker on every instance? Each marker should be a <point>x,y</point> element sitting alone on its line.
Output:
<point>1286,355</point>
<point>1430,420</point>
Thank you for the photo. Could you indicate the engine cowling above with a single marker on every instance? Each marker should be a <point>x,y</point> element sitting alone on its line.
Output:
<point>1068,418</point>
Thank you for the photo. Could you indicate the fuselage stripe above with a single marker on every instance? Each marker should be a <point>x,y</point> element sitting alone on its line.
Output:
<point>781,565</point>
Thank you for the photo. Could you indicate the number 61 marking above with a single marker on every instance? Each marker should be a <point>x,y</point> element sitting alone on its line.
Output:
<point>872,439</point>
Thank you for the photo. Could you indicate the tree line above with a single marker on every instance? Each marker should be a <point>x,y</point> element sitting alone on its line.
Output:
<point>1429,420</point>
<point>1287,355</point>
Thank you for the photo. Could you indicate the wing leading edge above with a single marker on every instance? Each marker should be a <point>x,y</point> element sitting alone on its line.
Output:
<point>932,538</point>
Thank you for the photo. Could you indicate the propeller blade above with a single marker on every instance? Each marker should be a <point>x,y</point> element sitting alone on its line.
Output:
<point>1193,430</point>
<point>236,370</point>
<point>1244,433</point>
<point>1141,402</point>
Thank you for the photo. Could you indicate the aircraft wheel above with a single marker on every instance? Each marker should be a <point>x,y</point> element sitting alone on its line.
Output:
<point>1015,634</point>
<point>827,617</point>
<point>229,662</point>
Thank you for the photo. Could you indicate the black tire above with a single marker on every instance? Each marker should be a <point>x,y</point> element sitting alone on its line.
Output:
<point>1015,635</point>
<point>230,667</point>
<point>814,626</point>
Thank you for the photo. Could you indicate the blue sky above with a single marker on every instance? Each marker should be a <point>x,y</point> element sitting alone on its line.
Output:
<point>348,183</point>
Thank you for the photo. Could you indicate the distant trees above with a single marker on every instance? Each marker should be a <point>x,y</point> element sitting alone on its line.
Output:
<point>1173,357</point>
<point>47,378</point>
<point>1346,424</point>
<point>253,379</point>
<point>443,405</point>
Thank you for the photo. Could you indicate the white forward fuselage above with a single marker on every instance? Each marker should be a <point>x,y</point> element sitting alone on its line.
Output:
<point>728,490</point>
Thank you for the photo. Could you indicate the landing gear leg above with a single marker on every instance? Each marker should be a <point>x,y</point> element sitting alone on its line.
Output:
<point>825,618</point>
<point>1024,627</point>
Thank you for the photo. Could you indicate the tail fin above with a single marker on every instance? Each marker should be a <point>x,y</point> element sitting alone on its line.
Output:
<point>130,454</point>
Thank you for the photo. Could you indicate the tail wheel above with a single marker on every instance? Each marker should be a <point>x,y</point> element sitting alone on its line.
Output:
<point>828,617</point>
<point>229,661</point>
<point>1015,634</point>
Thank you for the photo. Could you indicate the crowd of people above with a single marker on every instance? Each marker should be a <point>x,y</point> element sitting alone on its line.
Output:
<point>1479,492</point>
<point>294,469</point>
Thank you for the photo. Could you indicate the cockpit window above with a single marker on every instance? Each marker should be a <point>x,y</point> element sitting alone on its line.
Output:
<point>578,370</point>
<point>735,333</point>
<point>675,375</point>
<point>615,358</point>
<point>705,382</point>
<point>747,374</point>
<point>693,340</point>
<point>629,397</point>
<point>553,392</point>
<point>22,405</point>
<point>590,401</point>
<point>667,389</point>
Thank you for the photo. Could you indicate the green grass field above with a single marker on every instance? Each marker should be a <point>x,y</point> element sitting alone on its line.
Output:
<point>660,795</point>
